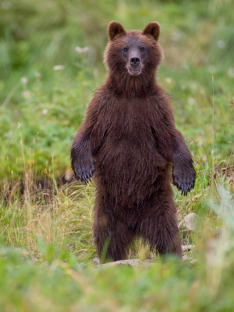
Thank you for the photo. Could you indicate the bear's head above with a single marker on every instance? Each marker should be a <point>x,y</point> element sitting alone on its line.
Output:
<point>133,53</point>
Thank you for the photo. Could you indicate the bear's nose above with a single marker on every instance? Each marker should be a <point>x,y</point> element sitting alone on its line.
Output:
<point>134,61</point>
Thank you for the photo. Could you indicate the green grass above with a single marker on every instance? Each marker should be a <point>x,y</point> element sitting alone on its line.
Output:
<point>58,280</point>
<point>46,244</point>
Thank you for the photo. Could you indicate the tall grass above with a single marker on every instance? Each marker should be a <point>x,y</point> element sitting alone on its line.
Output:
<point>60,281</point>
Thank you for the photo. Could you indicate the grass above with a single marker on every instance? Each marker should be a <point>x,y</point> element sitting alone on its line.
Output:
<point>46,245</point>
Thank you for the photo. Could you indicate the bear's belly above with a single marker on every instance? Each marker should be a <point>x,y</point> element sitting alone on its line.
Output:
<point>129,164</point>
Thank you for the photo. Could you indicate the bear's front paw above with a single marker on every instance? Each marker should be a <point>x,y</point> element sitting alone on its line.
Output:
<point>83,171</point>
<point>184,178</point>
<point>82,165</point>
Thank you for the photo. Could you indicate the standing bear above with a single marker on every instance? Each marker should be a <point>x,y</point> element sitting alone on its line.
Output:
<point>129,141</point>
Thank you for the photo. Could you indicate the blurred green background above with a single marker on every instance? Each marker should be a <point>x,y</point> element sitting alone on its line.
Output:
<point>51,61</point>
<point>46,80</point>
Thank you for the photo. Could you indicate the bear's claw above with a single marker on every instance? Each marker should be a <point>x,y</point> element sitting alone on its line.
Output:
<point>84,174</point>
<point>184,180</point>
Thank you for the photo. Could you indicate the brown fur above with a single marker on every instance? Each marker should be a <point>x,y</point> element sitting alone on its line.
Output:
<point>129,139</point>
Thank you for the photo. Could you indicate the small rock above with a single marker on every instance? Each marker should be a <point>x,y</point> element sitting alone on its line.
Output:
<point>68,175</point>
<point>96,260</point>
<point>190,221</point>
<point>131,262</point>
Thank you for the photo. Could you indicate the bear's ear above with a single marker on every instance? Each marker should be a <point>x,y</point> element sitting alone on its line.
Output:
<point>115,29</point>
<point>152,29</point>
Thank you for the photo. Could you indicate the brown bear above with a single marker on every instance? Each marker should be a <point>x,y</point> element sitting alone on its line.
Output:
<point>129,141</point>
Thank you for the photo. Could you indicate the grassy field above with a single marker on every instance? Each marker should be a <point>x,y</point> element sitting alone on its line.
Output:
<point>46,82</point>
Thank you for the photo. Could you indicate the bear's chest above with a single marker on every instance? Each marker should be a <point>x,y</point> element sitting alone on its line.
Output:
<point>126,129</point>
<point>128,119</point>
<point>128,147</point>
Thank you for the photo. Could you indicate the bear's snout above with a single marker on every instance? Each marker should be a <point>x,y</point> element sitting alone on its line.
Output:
<point>134,66</point>
<point>135,61</point>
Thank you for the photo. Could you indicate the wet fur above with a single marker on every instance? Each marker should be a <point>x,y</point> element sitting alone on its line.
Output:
<point>128,140</point>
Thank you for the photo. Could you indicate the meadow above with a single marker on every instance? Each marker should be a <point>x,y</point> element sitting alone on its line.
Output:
<point>51,61</point>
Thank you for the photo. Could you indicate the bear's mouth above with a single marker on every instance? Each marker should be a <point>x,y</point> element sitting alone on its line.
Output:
<point>134,71</point>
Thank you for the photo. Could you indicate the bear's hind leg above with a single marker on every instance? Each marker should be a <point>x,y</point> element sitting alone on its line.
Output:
<point>112,238</point>
<point>160,229</point>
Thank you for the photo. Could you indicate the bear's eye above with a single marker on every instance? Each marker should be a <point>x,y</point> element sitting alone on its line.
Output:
<point>125,49</point>
<point>142,49</point>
